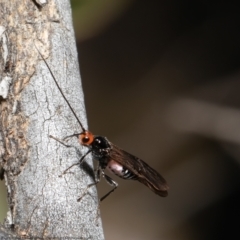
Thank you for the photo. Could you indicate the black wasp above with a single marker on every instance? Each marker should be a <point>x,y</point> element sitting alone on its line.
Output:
<point>116,160</point>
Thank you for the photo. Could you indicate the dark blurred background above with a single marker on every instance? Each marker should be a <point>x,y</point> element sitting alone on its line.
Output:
<point>161,80</point>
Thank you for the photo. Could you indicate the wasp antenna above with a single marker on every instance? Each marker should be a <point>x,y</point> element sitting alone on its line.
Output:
<point>84,130</point>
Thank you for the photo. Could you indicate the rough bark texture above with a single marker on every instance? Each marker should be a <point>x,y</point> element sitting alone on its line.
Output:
<point>42,204</point>
<point>6,233</point>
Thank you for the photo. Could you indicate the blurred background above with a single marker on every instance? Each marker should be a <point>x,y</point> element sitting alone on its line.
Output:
<point>161,80</point>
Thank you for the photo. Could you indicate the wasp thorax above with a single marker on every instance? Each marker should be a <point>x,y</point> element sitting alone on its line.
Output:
<point>86,138</point>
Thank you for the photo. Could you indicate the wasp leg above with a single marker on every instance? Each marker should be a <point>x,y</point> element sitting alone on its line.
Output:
<point>73,135</point>
<point>60,141</point>
<point>78,163</point>
<point>97,180</point>
<point>112,183</point>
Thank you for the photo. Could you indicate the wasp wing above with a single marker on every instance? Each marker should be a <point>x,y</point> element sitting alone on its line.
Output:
<point>144,173</point>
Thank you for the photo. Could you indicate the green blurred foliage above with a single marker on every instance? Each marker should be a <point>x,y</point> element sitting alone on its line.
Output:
<point>92,17</point>
<point>3,201</point>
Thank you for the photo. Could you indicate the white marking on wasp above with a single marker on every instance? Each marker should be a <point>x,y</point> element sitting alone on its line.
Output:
<point>115,168</point>
<point>119,170</point>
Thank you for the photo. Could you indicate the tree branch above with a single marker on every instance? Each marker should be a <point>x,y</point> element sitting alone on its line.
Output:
<point>42,204</point>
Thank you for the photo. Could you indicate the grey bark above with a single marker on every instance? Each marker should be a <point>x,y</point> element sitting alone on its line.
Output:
<point>42,204</point>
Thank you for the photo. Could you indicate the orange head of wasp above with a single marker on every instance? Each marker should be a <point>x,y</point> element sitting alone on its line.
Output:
<point>86,138</point>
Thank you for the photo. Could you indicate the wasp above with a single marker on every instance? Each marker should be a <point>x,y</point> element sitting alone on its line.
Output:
<point>113,158</point>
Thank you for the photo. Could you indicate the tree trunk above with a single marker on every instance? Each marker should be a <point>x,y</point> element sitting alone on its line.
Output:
<point>42,204</point>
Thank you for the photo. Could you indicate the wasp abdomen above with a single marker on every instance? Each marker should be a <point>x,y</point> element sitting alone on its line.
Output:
<point>120,170</point>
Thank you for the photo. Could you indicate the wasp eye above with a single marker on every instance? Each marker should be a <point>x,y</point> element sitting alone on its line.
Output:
<point>86,138</point>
